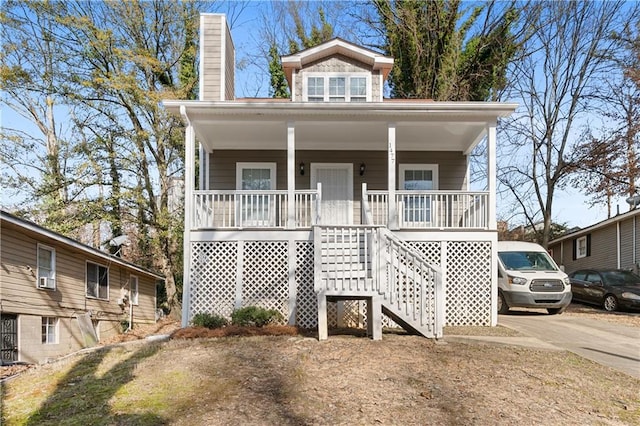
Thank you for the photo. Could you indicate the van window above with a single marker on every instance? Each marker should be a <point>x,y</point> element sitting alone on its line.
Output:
<point>527,261</point>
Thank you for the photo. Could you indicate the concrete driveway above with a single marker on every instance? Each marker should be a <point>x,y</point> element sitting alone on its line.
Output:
<point>606,343</point>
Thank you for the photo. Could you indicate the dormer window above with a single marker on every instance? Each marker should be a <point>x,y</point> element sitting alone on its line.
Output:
<point>338,87</point>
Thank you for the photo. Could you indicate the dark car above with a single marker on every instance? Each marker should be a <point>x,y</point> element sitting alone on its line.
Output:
<point>610,288</point>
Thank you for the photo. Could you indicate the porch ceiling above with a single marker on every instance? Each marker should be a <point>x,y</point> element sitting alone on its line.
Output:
<point>419,127</point>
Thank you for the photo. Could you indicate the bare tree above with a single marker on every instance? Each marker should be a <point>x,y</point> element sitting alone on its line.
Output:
<point>608,165</point>
<point>567,58</point>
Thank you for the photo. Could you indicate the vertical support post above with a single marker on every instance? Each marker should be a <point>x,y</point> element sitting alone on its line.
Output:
<point>441,292</point>
<point>240,265</point>
<point>291,175</point>
<point>202,177</point>
<point>293,294</point>
<point>381,262</point>
<point>374,317</point>
<point>323,332</point>
<point>189,180</point>
<point>494,280</point>
<point>340,311</point>
<point>391,177</point>
<point>363,202</point>
<point>318,216</point>
<point>491,175</point>
<point>491,220</point>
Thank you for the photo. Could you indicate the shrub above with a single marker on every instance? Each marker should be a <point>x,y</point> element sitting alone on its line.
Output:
<point>255,316</point>
<point>208,320</point>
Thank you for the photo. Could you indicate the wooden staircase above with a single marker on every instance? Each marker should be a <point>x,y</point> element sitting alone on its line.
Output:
<point>369,263</point>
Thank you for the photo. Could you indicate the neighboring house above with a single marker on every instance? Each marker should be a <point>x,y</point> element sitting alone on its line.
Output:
<point>336,195</point>
<point>612,243</point>
<point>58,295</point>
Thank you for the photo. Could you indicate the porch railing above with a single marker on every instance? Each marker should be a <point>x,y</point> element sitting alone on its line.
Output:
<point>231,209</point>
<point>432,209</point>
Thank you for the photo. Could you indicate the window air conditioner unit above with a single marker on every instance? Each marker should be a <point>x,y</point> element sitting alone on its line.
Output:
<point>46,282</point>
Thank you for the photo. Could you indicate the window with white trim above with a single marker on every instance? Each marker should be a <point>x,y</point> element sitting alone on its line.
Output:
<point>255,207</point>
<point>581,247</point>
<point>97,281</point>
<point>46,278</point>
<point>133,290</point>
<point>49,330</point>
<point>315,89</point>
<point>338,87</point>
<point>418,208</point>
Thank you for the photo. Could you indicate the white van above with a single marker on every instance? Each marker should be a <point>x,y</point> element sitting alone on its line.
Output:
<point>529,278</point>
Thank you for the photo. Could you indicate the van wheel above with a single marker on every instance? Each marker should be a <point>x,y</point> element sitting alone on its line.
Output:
<point>503,308</point>
<point>556,311</point>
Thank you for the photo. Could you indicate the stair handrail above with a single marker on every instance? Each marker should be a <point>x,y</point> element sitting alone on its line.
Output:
<point>384,262</point>
<point>415,266</point>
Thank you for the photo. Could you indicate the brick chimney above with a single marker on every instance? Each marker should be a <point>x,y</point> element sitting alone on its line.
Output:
<point>217,59</point>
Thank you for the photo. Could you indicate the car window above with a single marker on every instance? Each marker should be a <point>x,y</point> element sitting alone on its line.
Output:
<point>579,275</point>
<point>620,278</point>
<point>593,277</point>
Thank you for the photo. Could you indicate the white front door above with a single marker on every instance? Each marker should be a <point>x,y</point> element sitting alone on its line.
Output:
<point>337,192</point>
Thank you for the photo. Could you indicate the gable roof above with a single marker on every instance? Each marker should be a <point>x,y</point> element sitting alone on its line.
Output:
<point>59,238</point>
<point>602,224</point>
<point>376,60</point>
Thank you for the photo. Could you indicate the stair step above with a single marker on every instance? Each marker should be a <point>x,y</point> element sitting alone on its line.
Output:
<point>346,274</point>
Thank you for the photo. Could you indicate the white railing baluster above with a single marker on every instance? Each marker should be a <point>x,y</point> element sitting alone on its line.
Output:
<point>257,209</point>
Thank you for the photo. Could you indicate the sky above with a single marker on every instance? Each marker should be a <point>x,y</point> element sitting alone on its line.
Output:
<point>570,206</point>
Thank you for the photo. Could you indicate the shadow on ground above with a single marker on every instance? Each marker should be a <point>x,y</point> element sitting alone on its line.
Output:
<point>82,396</point>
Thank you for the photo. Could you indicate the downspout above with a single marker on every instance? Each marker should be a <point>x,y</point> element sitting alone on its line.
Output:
<point>618,260</point>
<point>189,142</point>
<point>636,262</point>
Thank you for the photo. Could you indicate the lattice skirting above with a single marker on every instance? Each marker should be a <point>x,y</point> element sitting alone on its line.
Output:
<point>226,275</point>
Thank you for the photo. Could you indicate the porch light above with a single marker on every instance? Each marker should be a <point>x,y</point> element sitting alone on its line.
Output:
<point>302,169</point>
<point>363,167</point>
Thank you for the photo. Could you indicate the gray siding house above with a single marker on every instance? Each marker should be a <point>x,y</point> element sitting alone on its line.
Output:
<point>612,243</point>
<point>58,296</point>
<point>336,207</point>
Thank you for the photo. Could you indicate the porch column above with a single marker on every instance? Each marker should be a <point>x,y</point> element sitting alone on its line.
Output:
<point>203,166</point>
<point>291,175</point>
<point>391,177</point>
<point>491,174</point>
<point>189,180</point>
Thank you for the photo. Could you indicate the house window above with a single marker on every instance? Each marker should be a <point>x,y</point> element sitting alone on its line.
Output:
<point>338,88</point>
<point>46,267</point>
<point>256,208</point>
<point>133,289</point>
<point>581,247</point>
<point>358,89</point>
<point>418,208</point>
<point>49,330</point>
<point>97,281</point>
<point>315,89</point>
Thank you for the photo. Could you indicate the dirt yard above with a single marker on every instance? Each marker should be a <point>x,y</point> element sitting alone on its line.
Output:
<point>349,379</point>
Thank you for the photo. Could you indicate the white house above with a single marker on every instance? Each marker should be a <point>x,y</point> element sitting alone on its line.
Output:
<point>336,205</point>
